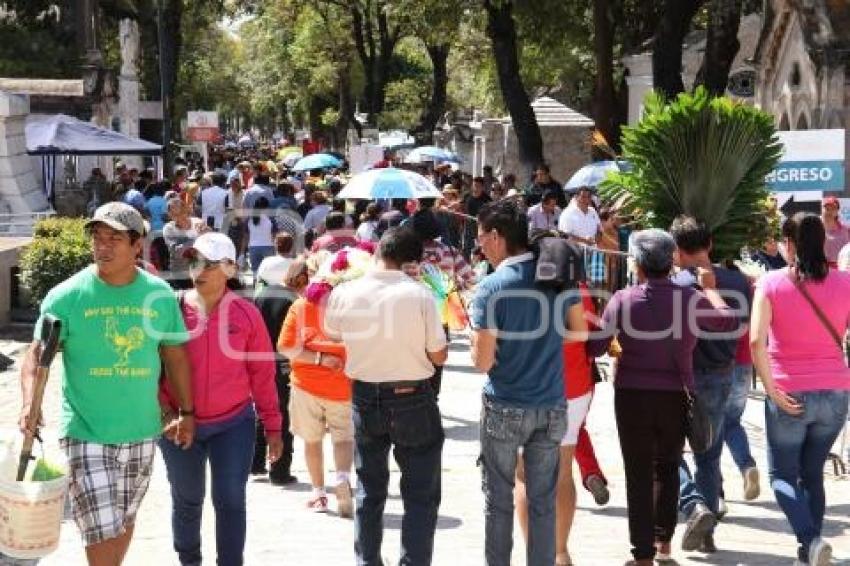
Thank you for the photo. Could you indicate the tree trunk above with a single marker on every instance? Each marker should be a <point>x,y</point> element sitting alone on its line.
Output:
<point>346,106</point>
<point>605,97</point>
<point>675,22</point>
<point>169,61</point>
<point>501,29</point>
<point>722,45</point>
<point>424,132</point>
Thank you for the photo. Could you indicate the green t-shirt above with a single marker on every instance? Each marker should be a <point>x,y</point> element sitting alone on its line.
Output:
<point>110,352</point>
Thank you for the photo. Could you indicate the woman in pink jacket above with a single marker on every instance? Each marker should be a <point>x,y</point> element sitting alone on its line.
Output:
<point>233,371</point>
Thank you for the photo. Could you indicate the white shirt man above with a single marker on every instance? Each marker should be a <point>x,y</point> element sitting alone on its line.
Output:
<point>580,220</point>
<point>212,203</point>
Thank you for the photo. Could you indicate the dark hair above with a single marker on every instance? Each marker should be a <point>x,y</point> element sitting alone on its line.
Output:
<point>335,220</point>
<point>283,243</point>
<point>261,179</point>
<point>425,224</point>
<point>550,194</point>
<point>338,205</point>
<point>373,211</point>
<point>505,217</point>
<point>400,246</point>
<point>286,189</point>
<point>543,167</point>
<point>261,204</point>
<point>606,212</point>
<point>584,190</point>
<point>691,235</point>
<point>426,203</point>
<point>478,180</point>
<point>807,233</point>
<point>399,204</point>
<point>218,179</point>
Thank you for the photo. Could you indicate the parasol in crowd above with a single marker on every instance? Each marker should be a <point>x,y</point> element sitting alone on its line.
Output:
<point>389,183</point>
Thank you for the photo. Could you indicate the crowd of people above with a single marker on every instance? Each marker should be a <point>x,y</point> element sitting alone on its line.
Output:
<point>344,329</point>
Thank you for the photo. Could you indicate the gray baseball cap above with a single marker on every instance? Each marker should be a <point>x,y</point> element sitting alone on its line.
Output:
<point>118,216</point>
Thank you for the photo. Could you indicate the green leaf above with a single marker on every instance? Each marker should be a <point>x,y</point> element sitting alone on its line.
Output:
<point>705,157</point>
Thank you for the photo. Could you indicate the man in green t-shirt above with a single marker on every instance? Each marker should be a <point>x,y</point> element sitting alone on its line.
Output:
<point>119,326</point>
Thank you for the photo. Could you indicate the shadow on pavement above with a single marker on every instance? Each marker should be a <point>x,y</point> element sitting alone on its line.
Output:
<point>464,431</point>
<point>393,521</point>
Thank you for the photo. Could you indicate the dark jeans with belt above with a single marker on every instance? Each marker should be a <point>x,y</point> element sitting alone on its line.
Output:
<point>404,417</point>
<point>651,425</point>
<point>281,468</point>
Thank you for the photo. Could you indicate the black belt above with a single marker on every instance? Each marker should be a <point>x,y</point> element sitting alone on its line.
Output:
<point>395,384</point>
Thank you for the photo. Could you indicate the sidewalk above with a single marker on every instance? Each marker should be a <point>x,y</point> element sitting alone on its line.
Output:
<point>281,531</point>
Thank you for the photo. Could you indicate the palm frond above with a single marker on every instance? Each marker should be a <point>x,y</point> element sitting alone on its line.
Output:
<point>702,156</point>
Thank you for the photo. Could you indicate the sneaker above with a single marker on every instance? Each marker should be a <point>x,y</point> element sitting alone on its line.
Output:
<point>751,484</point>
<point>722,509</point>
<point>663,554</point>
<point>318,504</point>
<point>344,501</point>
<point>258,470</point>
<point>700,522</point>
<point>820,553</point>
<point>708,545</point>
<point>598,488</point>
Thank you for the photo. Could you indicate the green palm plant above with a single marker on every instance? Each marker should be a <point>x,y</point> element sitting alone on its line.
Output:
<point>702,156</point>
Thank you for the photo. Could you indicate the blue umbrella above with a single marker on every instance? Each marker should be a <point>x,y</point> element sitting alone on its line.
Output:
<point>431,153</point>
<point>317,161</point>
<point>593,174</point>
<point>389,183</point>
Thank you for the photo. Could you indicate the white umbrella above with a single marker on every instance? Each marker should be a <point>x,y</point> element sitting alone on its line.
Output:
<point>431,153</point>
<point>389,183</point>
<point>593,174</point>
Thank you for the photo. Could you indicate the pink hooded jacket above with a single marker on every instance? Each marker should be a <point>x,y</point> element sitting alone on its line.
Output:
<point>232,363</point>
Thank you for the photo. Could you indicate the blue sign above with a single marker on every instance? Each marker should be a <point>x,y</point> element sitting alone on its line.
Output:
<point>807,176</point>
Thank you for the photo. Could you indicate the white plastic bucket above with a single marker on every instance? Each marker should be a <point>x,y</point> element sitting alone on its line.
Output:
<point>30,513</point>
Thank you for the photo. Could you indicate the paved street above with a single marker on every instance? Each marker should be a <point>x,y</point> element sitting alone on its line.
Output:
<point>281,531</point>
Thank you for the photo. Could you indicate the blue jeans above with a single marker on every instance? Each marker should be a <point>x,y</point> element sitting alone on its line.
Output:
<point>257,254</point>
<point>539,432</point>
<point>407,419</point>
<point>229,447</point>
<point>797,448</point>
<point>704,486</point>
<point>733,433</point>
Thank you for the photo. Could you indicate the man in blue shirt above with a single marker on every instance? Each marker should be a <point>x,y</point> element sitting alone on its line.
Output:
<point>518,333</point>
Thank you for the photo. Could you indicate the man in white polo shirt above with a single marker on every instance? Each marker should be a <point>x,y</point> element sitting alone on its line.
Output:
<point>580,220</point>
<point>393,337</point>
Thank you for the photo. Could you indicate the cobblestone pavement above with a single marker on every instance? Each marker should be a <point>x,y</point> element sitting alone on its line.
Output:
<point>282,531</point>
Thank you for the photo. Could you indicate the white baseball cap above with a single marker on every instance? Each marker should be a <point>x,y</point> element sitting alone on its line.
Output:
<point>214,246</point>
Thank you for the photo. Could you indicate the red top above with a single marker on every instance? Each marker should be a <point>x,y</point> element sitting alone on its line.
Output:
<point>578,379</point>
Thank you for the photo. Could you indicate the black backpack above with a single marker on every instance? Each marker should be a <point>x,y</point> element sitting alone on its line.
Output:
<point>560,263</point>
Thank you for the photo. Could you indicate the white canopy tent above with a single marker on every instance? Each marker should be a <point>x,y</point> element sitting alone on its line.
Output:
<point>49,135</point>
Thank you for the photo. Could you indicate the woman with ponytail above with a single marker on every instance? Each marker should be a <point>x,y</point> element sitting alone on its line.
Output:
<point>800,316</point>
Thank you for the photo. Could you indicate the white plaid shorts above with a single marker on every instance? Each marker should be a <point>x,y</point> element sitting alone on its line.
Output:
<point>107,485</point>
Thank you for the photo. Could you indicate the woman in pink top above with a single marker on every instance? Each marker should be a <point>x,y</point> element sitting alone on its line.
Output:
<point>804,375</point>
<point>233,371</point>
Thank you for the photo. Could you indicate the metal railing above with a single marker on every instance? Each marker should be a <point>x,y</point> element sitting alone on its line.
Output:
<point>21,224</point>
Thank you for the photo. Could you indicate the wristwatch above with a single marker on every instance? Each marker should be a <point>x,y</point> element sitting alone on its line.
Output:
<point>186,412</point>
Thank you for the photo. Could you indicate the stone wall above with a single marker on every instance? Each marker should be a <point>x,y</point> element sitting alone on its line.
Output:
<point>19,191</point>
<point>566,149</point>
<point>10,253</point>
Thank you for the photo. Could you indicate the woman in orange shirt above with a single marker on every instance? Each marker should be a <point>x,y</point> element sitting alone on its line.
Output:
<point>320,396</point>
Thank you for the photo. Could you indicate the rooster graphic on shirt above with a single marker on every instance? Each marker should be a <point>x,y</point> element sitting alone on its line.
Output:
<point>124,343</point>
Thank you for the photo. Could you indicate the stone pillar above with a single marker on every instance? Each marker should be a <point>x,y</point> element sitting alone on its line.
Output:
<point>639,81</point>
<point>128,85</point>
<point>19,190</point>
